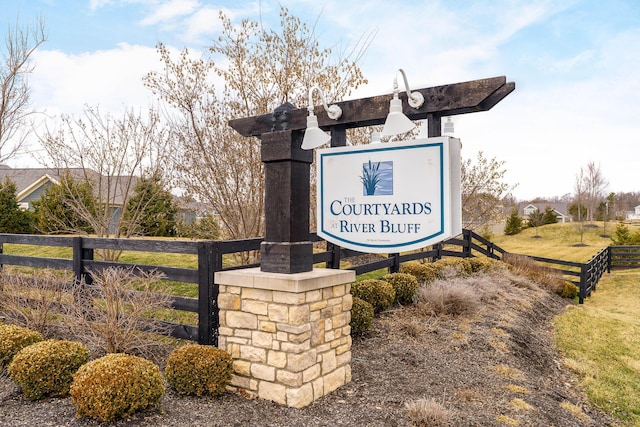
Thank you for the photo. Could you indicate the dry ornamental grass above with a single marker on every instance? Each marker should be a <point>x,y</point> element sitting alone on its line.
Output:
<point>409,355</point>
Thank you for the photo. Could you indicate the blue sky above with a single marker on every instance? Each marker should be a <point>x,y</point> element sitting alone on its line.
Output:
<point>576,65</point>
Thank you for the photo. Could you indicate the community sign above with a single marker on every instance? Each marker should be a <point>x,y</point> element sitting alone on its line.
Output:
<point>391,197</point>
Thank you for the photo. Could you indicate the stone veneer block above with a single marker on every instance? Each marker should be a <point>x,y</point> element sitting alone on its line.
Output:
<point>288,333</point>
<point>318,278</point>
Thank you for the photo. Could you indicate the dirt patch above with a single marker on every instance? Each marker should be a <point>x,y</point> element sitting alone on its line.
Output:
<point>496,366</point>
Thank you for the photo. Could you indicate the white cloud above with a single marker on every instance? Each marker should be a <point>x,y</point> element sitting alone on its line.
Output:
<point>204,22</point>
<point>571,105</point>
<point>63,83</point>
<point>170,11</point>
<point>97,4</point>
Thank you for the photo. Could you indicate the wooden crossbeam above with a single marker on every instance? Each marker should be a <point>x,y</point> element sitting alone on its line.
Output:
<point>446,100</point>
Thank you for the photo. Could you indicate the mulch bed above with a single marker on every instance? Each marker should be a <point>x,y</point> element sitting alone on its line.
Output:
<point>480,366</point>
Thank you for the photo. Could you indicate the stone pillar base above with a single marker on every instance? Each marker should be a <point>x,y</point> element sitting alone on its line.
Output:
<point>288,334</point>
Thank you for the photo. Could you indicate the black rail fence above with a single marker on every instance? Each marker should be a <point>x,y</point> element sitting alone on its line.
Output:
<point>210,255</point>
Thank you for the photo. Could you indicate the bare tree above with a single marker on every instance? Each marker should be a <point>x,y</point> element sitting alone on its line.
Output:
<point>261,69</point>
<point>111,155</point>
<point>595,186</point>
<point>484,190</point>
<point>15,96</point>
<point>580,197</point>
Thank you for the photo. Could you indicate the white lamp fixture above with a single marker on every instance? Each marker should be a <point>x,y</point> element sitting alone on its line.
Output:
<point>314,136</point>
<point>397,122</point>
<point>448,127</point>
<point>375,137</point>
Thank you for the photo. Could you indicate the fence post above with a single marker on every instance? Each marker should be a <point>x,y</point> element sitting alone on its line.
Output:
<point>82,279</point>
<point>608,258</point>
<point>438,251</point>
<point>1,254</point>
<point>335,255</point>
<point>583,284</point>
<point>467,236</point>
<point>395,267</point>
<point>209,261</point>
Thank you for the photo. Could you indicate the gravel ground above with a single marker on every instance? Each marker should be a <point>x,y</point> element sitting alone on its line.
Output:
<point>494,366</point>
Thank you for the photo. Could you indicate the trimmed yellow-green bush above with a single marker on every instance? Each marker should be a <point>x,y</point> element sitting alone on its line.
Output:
<point>479,264</point>
<point>460,266</point>
<point>46,368</point>
<point>199,369</point>
<point>13,339</point>
<point>405,286</point>
<point>361,316</point>
<point>115,386</point>
<point>425,273</point>
<point>569,290</point>
<point>378,293</point>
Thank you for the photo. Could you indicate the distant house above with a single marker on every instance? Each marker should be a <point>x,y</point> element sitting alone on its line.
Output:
<point>634,214</point>
<point>559,209</point>
<point>32,182</point>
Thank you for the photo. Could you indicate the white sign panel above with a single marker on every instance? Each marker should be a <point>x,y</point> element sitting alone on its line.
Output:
<point>391,197</point>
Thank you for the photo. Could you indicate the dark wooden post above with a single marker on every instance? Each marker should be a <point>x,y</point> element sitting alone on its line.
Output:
<point>209,261</point>
<point>467,237</point>
<point>335,255</point>
<point>608,258</point>
<point>338,136</point>
<point>582,294</point>
<point>286,247</point>
<point>434,125</point>
<point>82,279</point>
<point>396,263</point>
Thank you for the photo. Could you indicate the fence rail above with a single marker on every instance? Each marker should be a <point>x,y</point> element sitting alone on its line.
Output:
<point>624,256</point>
<point>210,260</point>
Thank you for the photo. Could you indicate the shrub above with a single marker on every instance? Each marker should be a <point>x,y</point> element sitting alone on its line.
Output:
<point>46,368</point>
<point>479,264</point>
<point>545,277</point>
<point>199,369</point>
<point>451,297</point>
<point>569,290</point>
<point>427,412</point>
<point>452,266</point>
<point>115,386</point>
<point>13,339</point>
<point>405,286</point>
<point>124,301</point>
<point>378,293</point>
<point>425,273</point>
<point>206,227</point>
<point>361,316</point>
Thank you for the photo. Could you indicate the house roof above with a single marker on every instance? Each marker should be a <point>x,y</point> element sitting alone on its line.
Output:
<point>560,208</point>
<point>27,180</point>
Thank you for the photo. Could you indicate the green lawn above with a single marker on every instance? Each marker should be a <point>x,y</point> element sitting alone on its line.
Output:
<point>599,339</point>
<point>558,241</point>
<point>601,343</point>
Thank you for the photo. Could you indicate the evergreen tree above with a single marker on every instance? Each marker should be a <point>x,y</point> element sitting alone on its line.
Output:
<point>549,216</point>
<point>151,209</point>
<point>12,218</point>
<point>623,235</point>
<point>514,223</point>
<point>56,211</point>
<point>578,211</point>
